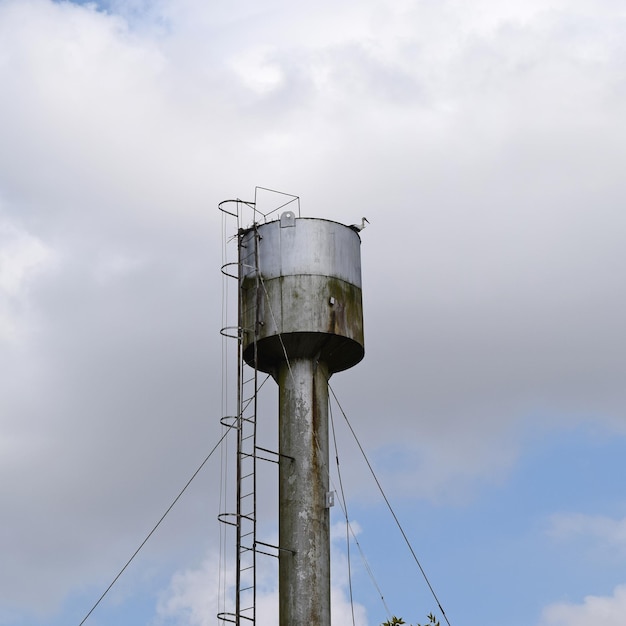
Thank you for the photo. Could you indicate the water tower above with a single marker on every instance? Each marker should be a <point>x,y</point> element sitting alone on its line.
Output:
<point>300,320</point>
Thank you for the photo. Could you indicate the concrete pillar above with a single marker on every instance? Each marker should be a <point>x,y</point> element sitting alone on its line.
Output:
<point>304,519</point>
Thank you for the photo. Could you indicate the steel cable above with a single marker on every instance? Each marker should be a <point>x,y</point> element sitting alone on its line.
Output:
<point>345,511</point>
<point>395,517</point>
<point>169,508</point>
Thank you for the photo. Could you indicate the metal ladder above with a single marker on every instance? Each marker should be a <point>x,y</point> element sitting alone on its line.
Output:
<point>246,466</point>
<point>244,423</point>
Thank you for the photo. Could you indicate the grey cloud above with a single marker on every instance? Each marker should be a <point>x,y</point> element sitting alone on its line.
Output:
<point>491,264</point>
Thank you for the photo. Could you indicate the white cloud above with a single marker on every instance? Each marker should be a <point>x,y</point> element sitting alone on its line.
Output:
<point>485,143</point>
<point>22,257</point>
<point>191,597</point>
<point>196,595</point>
<point>606,534</point>
<point>605,610</point>
<point>258,71</point>
<point>113,266</point>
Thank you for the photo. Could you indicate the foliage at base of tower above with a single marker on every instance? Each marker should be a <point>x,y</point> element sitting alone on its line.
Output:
<point>432,621</point>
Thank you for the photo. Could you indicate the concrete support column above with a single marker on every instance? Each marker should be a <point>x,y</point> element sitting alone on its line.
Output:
<point>304,519</point>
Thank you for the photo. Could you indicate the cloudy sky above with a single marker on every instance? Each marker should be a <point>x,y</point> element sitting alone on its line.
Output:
<point>486,143</point>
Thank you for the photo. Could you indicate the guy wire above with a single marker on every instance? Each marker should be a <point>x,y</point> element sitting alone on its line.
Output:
<point>169,508</point>
<point>395,517</point>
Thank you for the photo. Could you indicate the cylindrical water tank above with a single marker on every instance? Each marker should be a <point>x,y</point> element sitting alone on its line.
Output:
<point>300,281</point>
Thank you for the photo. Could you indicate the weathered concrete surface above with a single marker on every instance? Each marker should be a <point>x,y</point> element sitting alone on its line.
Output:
<point>304,524</point>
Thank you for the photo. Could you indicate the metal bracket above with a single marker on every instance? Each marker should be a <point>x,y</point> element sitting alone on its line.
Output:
<point>287,219</point>
<point>330,499</point>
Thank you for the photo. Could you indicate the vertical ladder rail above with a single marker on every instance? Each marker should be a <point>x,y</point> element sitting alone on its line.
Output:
<point>244,423</point>
<point>246,463</point>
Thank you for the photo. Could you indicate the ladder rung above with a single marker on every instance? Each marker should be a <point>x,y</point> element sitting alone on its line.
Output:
<point>248,608</point>
<point>247,456</point>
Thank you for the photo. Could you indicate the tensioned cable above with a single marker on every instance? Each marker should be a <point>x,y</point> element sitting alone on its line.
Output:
<point>343,506</point>
<point>169,508</point>
<point>395,517</point>
<point>365,562</point>
<point>345,510</point>
<point>269,306</point>
<point>371,470</point>
<point>280,336</point>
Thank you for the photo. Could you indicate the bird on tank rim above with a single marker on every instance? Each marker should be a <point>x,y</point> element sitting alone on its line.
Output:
<point>359,227</point>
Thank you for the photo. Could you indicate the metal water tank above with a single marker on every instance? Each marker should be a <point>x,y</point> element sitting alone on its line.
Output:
<point>300,281</point>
